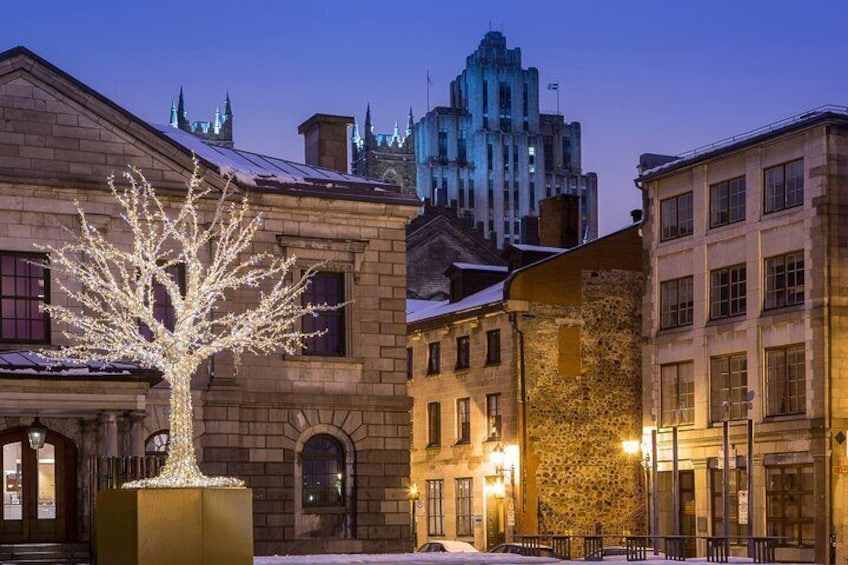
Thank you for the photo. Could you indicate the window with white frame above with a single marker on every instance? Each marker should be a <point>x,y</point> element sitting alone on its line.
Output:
<point>786,386</point>
<point>784,280</point>
<point>729,387</point>
<point>677,393</point>
<point>676,216</point>
<point>435,507</point>
<point>463,420</point>
<point>784,186</point>
<point>677,302</point>
<point>728,289</point>
<point>464,507</point>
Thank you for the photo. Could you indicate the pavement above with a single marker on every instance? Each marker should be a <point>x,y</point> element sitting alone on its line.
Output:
<point>450,559</point>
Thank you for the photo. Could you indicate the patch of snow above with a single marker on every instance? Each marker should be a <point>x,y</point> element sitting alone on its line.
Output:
<point>489,295</point>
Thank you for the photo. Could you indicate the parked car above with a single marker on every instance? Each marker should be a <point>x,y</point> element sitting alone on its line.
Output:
<point>518,549</point>
<point>450,546</point>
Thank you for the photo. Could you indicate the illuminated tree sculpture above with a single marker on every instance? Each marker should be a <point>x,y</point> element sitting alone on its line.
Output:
<point>111,287</point>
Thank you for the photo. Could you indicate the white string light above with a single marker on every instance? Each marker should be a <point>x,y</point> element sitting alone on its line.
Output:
<point>112,298</point>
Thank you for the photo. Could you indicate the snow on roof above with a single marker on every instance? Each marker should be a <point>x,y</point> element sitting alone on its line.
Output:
<point>489,295</point>
<point>252,169</point>
<point>475,267</point>
<point>537,248</point>
<point>32,362</point>
<point>415,305</point>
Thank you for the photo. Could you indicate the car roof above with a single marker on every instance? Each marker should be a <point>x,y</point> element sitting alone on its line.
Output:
<point>455,545</point>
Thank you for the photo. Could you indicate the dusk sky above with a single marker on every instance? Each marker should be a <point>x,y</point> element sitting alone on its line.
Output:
<point>646,76</point>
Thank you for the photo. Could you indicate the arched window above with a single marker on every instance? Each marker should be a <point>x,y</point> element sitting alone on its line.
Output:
<point>157,443</point>
<point>323,472</point>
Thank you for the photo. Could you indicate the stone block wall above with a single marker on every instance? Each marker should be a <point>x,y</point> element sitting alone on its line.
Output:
<point>578,419</point>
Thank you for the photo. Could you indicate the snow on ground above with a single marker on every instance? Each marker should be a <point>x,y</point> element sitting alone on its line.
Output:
<point>446,559</point>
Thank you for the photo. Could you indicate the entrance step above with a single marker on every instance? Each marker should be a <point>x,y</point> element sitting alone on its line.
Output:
<point>45,554</point>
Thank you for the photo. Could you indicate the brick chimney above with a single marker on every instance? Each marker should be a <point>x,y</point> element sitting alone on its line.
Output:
<point>559,221</point>
<point>325,141</point>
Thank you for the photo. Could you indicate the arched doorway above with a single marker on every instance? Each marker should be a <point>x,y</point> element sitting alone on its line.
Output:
<point>39,488</point>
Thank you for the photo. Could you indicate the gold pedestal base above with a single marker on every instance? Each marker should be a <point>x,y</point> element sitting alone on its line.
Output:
<point>185,526</point>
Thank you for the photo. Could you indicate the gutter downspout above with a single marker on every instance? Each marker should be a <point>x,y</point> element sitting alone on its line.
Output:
<point>522,404</point>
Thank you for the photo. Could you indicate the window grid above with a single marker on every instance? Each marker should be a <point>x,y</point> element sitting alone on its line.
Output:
<point>434,424</point>
<point>493,347</point>
<point>493,416</point>
<point>785,381</point>
<point>677,303</point>
<point>435,508</point>
<point>464,507</point>
<point>677,400</point>
<point>409,365</point>
<point>728,288</point>
<point>790,504</point>
<point>676,216</point>
<point>784,280</point>
<point>738,480</point>
<point>727,202</point>
<point>24,290</point>
<point>784,186</point>
<point>729,380</point>
<point>463,420</point>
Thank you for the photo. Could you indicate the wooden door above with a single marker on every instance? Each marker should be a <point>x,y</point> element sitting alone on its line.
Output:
<point>495,532</point>
<point>38,490</point>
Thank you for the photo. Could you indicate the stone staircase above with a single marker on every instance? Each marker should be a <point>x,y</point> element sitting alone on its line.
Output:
<point>45,554</point>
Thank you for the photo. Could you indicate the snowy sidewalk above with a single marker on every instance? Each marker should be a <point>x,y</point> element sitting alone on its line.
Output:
<point>450,559</point>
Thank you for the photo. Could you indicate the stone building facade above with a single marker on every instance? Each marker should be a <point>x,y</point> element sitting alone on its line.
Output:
<point>58,142</point>
<point>743,326</point>
<point>545,366</point>
<point>387,157</point>
<point>491,153</point>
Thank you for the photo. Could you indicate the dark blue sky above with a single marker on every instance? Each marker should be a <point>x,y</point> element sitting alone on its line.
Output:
<point>641,76</point>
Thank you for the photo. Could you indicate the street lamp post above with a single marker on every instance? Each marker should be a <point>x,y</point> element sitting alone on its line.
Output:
<point>504,469</point>
<point>413,494</point>
<point>635,447</point>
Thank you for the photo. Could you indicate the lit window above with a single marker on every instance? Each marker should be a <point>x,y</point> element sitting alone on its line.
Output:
<point>24,290</point>
<point>738,481</point>
<point>435,508</point>
<point>157,443</point>
<point>493,415</point>
<point>325,288</point>
<point>464,506</point>
<point>323,472</point>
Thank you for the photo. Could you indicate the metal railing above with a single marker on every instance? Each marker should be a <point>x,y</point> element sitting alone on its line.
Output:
<point>592,547</point>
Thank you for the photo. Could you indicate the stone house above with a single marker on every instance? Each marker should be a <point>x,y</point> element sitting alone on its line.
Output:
<point>522,394</point>
<point>341,407</point>
<point>743,327</point>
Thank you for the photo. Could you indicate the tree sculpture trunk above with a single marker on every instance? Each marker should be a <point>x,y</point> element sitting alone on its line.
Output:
<point>181,461</point>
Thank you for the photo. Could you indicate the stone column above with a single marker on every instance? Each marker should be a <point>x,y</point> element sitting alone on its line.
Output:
<point>108,434</point>
<point>137,433</point>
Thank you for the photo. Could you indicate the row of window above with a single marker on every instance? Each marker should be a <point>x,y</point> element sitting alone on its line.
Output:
<point>25,289</point>
<point>785,386</point>
<point>463,420</point>
<point>783,187</point>
<point>464,490</point>
<point>783,286</point>
<point>463,354</point>
<point>789,500</point>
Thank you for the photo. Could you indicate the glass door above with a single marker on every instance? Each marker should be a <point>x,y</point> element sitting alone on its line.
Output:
<point>38,493</point>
